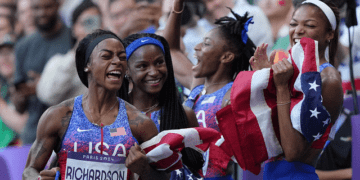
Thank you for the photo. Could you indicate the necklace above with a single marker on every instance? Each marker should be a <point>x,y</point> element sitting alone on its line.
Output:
<point>150,108</point>
<point>92,119</point>
<point>203,92</point>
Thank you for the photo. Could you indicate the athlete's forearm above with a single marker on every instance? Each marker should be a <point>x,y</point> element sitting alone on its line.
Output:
<point>336,174</point>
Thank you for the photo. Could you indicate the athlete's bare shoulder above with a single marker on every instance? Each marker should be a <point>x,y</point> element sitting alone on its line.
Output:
<point>142,127</point>
<point>56,118</point>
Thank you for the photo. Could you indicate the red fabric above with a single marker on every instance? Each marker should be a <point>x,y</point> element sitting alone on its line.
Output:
<point>250,123</point>
<point>163,150</point>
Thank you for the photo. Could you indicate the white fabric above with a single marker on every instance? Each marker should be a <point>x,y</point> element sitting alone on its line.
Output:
<point>326,9</point>
<point>59,80</point>
<point>259,32</point>
<point>355,39</point>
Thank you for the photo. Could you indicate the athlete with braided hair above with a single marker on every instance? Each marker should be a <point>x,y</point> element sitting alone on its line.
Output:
<point>224,52</point>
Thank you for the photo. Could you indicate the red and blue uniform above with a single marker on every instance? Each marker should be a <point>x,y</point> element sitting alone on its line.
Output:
<point>82,136</point>
<point>205,108</point>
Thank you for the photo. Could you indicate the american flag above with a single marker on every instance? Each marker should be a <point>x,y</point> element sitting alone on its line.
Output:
<point>250,123</point>
<point>163,150</point>
<point>117,131</point>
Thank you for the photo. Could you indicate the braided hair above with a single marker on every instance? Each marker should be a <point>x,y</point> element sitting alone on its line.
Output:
<point>172,114</point>
<point>231,29</point>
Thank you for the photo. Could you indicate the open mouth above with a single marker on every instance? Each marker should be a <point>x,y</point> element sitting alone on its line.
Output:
<point>296,41</point>
<point>154,82</point>
<point>198,62</point>
<point>114,74</point>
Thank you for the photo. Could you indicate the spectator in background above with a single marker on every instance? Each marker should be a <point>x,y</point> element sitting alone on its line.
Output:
<point>8,7</point>
<point>136,16</point>
<point>32,53</point>
<point>258,32</point>
<point>344,63</point>
<point>11,122</point>
<point>25,21</point>
<point>119,11</point>
<point>59,80</point>
<point>6,25</point>
<point>279,13</point>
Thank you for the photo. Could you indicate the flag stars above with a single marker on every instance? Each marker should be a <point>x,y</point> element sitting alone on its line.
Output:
<point>178,172</point>
<point>190,177</point>
<point>313,85</point>
<point>314,113</point>
<point>326,122</point>
<point>318,136</point>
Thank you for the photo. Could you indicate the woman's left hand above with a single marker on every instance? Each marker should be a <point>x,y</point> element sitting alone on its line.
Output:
<point>260,59</point>
<point>136,161</point>
<point>283,71</point>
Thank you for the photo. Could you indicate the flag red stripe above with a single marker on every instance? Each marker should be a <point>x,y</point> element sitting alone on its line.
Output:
<point>309,64</point>
<point>248,122</point>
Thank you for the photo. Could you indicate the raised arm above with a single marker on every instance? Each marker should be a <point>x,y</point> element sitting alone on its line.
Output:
<point>51,124</point>
<point>293,142</point>
<point>182,65</point>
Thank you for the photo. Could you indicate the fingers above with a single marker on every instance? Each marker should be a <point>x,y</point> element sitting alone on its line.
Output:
<point>48,173</point>
<point>55,169</point>
<point>272,56</point>
<point>33,74</point>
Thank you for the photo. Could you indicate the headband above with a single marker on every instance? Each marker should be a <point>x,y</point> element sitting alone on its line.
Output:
<point>95,42</point>
<point>141,42</point>
<point>326,9</point>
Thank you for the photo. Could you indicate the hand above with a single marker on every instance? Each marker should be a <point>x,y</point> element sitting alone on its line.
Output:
<point>140,18</point>
<point>18,99</point>
<point>31,84</point>
<point>136,160</point>
<point>283,71</point>
<point>49,174</point>
<point>260,58</point>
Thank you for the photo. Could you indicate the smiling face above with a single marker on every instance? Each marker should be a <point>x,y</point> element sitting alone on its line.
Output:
<point>209,53</point>
<point>147,69</point>
<point>309,21</point>
<point>107,65</point>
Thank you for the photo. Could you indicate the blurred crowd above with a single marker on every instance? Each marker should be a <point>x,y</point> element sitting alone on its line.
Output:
<point>38,39</point>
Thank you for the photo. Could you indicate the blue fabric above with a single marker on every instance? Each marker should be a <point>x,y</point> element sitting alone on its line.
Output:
<point>284,170</point>
<point>155,116</point>
<point>244,35</point>
<point>141,42</point>
<point>81,131</point>
<point>228,177</point>
<point>325,65</point>
<point>184,174</point>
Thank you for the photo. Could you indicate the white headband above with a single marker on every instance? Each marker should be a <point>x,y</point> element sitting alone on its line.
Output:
<point>326,9</point>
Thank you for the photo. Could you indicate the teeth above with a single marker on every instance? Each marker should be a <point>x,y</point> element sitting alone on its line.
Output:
<point>297,40</point>
<point>115,72</point>
<point>153,82</point>
<point>195,56</point>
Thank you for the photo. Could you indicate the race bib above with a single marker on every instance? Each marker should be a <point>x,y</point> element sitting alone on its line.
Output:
<point>95,166</point>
